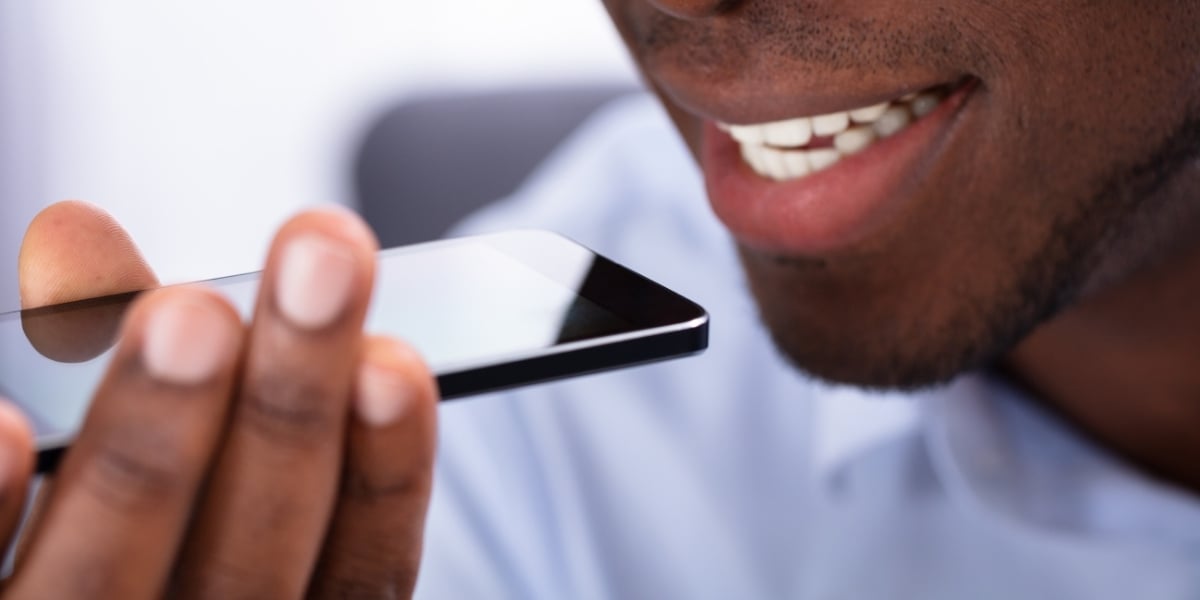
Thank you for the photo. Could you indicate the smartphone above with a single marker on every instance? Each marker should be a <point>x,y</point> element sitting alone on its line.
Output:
<point>487,313</point>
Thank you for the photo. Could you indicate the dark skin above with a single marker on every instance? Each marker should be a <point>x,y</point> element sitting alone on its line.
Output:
<point>1053,236</point>
<point>1050,237</point>
<point>265,478</point>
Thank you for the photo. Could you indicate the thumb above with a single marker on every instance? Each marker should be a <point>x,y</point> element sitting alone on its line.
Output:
<point>74,250</point>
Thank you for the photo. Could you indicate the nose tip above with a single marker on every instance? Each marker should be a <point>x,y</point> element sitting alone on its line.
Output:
<point>693,9</point>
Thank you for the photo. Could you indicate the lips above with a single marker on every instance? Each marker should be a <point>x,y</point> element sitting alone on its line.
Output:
<point>815,185</point>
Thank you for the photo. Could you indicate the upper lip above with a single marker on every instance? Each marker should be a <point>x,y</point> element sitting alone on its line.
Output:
<point>739,103</point>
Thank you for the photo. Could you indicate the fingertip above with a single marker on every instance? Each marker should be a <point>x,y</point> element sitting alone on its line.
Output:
<point>71,211</point>
<point>321,269</point>
<point>74,250</point>
<point>335,221</point>
<point>400,357</point>
<point>191,335</point>
<point>393,382</point>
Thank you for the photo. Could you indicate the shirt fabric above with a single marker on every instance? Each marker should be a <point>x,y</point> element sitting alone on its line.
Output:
<point>731,475</point>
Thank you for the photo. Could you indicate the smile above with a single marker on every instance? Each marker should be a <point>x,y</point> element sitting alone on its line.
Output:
<point>795,148</point>
<point>815,185</point>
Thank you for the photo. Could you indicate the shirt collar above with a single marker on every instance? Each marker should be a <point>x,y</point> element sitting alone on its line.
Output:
<point>998,451</point>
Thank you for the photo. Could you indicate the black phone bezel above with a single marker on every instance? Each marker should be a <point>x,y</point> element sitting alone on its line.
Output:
<point>663,324</point>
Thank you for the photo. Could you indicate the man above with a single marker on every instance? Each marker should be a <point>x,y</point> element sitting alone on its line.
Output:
<point>998,195</point>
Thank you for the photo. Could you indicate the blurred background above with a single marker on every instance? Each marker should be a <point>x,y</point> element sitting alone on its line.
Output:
<point>203,127</point>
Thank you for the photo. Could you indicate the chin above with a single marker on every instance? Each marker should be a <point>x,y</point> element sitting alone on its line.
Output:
<point>907,338</point>
<point>870,362</point>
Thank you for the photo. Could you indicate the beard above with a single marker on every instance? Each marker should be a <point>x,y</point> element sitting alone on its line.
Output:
<point>1126,222</point>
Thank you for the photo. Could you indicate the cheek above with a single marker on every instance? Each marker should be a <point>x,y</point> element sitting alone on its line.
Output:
<point>1088,83</point>
<point>1084,92</point>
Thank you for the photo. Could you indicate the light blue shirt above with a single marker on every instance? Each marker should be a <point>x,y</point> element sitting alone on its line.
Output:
<point>732,476</point>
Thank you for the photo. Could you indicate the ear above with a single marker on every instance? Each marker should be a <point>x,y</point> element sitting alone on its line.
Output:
<point>74,250</point>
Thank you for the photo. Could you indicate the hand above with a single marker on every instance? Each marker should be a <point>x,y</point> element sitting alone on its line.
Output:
<point>291,457</point>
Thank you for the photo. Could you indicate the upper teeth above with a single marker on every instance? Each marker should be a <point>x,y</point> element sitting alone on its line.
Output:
<point>776,150</point>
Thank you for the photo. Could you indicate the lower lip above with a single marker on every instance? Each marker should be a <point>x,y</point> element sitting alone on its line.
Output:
<point>832,209</point>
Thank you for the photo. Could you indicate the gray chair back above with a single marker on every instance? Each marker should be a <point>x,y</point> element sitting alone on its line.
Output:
<point>429,162</point>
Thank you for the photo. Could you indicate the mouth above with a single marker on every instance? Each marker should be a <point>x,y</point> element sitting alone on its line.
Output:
<point>815,184</point>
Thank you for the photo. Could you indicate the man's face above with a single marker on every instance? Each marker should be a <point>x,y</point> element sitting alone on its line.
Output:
<point>1051,156</point>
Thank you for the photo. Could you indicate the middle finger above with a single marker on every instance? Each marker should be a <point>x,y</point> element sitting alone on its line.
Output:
<point>260,526</point>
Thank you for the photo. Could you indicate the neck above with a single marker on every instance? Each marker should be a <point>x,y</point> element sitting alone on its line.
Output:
<point>1124,366</point>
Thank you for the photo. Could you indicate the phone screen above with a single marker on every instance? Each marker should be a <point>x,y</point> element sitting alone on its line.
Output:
<point>465,304</point>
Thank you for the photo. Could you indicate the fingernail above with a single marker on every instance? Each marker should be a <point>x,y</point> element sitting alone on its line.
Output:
<point>382,396</point>
<point>315,281</point>
<point>186,342</point>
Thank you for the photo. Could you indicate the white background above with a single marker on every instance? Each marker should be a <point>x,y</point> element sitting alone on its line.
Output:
<point>203,127</point>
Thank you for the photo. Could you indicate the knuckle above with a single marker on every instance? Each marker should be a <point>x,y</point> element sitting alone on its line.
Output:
<point>136,469</point>
<point>290,411</point>
<point>86,580</point>
<point>226,580</point>
<point>364,581</point>
<point>365,488</point>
